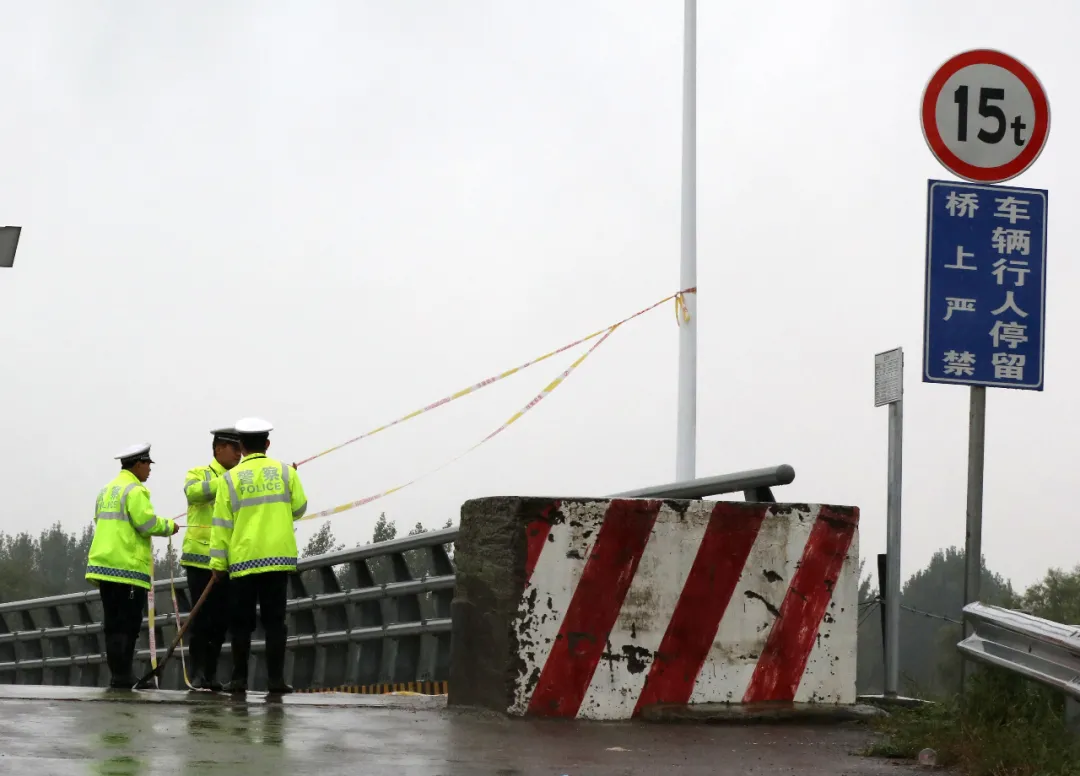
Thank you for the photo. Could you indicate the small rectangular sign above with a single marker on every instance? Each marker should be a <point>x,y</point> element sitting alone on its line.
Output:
<point>888,376</point>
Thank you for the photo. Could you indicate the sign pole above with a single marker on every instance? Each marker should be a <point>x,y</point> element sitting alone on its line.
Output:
<point>892,548</point>
<point>686,428</point>
<point>973,540</point>
<point>986,117</point>
<point>889,389</point>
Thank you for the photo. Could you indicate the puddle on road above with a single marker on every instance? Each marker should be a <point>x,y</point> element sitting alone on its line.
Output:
<point>206,739</point>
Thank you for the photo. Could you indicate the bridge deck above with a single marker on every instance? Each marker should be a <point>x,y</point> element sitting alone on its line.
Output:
<point>55,730</point>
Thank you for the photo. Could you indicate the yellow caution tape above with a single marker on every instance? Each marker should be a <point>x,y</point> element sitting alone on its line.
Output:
<point>682,312</point>
<point>678,297</point>
<point>513,418</point>
<point>680,305</point>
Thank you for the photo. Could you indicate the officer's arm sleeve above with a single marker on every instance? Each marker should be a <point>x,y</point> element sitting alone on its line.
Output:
<point>197,487</point>
<point>299,498</point>
<point>221,529</point>
<point>141,513</point>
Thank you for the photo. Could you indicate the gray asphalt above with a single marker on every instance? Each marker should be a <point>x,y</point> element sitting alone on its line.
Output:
<point>62,731</point>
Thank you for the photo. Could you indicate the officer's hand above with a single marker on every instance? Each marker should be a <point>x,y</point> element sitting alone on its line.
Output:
<point>295,466</point>
<point>175,528</point>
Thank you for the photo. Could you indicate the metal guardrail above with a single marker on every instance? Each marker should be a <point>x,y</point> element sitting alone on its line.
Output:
<point>1041,650</point>
<point>378,614</point>
<point>372,615</point>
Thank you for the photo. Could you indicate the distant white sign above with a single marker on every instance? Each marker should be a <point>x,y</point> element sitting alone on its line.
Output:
<point>888,376</point>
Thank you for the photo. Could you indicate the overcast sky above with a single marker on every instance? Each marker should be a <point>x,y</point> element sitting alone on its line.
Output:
<point>330,214</point>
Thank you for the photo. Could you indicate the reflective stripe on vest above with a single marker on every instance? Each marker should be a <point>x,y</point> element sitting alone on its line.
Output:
<point>105,571</point>
<point>205,484</point>
<point>262,563</point>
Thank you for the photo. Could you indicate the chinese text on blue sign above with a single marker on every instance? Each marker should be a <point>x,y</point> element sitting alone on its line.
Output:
<point>985,285</point>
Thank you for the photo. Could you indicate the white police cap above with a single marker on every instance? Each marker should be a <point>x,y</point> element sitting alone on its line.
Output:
<point>228,433</point>
<point>139,452</point>
<point>253,426</point>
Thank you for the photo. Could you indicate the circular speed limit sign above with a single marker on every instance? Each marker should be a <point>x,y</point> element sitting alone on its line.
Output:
<point>985,116</point>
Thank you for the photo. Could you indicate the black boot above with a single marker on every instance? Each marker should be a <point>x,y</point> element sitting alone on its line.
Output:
<point>275,664</point>
<point>198,662</point>
<point>241,651</point>
<point>132,642</point>
<point>210,667</point>
<point>120,677</point>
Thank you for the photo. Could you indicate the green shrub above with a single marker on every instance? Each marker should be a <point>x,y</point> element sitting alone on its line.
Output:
<point>1003,726</point>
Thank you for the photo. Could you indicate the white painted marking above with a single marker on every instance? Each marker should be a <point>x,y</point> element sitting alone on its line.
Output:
<point>646,611</point>
<point>746,624</point>
<point>830,671</point>
<point>548,594</point>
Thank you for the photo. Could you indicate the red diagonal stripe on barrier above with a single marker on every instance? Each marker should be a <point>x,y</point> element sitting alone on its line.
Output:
<point>780,667</point>
<point>718,565</point>
<point>536,534</point>
<point>594,608</point>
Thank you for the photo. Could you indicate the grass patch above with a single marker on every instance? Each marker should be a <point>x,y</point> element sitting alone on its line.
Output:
<point>1003,726</point>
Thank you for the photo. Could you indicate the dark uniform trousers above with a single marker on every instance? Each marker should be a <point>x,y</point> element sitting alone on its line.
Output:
<point>209,627</point>
<point>270,591</point>
<point>123,609</point>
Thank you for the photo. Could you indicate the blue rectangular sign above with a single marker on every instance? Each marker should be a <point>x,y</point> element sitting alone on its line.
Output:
<point>985,285</point>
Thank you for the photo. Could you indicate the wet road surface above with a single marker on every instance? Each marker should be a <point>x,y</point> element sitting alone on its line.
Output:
<point>62,731</point>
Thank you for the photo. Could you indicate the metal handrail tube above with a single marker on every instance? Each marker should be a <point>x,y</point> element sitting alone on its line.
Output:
<point>388,590</point>
<point>716,486</point>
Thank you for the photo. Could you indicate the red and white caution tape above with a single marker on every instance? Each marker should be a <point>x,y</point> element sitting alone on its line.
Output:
<point>513,418</point>
<point>678,297</point>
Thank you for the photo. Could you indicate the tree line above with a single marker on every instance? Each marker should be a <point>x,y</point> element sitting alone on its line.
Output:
<point>931,613</point>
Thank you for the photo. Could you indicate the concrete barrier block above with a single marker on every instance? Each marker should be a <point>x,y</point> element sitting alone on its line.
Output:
<point>600,608</point>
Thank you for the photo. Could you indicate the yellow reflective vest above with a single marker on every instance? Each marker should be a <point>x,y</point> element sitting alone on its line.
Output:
<point>124,521</point>
<point>200,490</point>
<point>252,530</point>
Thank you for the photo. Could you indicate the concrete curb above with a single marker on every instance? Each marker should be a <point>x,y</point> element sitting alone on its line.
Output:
<point>760,712</point>
<point>893,702</point>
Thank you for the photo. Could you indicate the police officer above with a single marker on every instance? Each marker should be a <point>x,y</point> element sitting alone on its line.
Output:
<point>208,628</point>
<point>121,560</point>
<point>253,539</point>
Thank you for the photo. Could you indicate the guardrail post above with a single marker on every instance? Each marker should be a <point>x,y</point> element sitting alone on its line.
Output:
<point>441,600</point>
<point>299,661</point>
<point>365,658</point>
<point>406,649</point>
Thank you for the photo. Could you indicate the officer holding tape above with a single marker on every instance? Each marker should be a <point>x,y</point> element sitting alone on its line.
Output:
<point>252,538</point>
<point>200,489</point>
<point>121,560</point>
